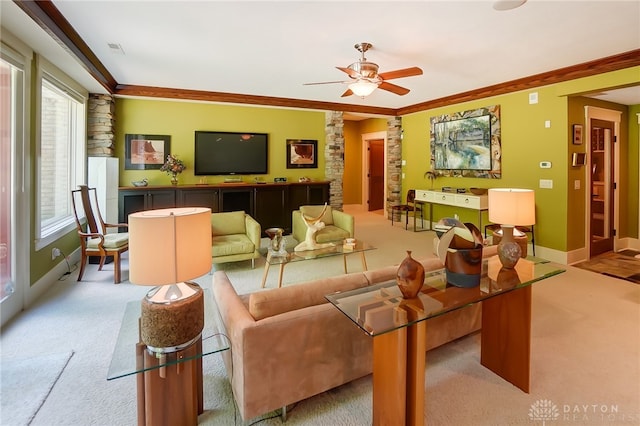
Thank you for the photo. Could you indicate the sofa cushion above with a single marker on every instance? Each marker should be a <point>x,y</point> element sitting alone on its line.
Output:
<point>331,233</point>
<point>268,303</point>
<point>225,245</point>
<point>228,223</point>
<point>314,211</point>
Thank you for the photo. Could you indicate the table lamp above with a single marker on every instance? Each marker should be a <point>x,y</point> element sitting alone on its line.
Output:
<point>511,207</point>
<point>168,247</point>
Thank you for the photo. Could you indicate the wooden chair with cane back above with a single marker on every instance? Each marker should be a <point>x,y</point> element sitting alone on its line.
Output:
<point>94,238</point>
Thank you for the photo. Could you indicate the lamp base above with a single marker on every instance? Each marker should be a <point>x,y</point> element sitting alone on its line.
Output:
<point>509,252</point>
<point>172,317</point>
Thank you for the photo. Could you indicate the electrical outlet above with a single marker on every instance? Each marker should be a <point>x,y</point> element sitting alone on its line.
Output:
<point>55,252</point>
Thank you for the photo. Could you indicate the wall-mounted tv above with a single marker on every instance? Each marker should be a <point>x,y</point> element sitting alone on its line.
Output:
<point>227,153</point>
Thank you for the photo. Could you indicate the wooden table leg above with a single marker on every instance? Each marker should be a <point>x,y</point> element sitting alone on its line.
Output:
<point>506,336</point>
<point>364,261</point>
<point>280,274</point>
<point>390,378</point>
<point>265,273</point>
<point>398,376</point>
<point>416,363</point>
<point>174,397</point>
<point>140,348</point>
<point>344,261</point>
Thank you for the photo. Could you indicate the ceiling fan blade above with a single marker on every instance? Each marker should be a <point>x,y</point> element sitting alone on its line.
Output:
<point>347,93</point>
<point>393,88</point>
<point>406,72</point>
<point>352,73</point>
<point>323,82</point>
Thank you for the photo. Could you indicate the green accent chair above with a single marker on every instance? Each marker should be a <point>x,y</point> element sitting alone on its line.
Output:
<point>235,236</point>
<point>338,225</point>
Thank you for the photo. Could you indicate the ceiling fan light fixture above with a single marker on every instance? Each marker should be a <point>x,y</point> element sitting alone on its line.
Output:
<point>508,4</point>
<point>363,88</point>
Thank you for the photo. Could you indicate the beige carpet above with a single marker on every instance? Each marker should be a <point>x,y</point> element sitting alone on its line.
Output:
<point>623,264</point>
<point>585,351</point>
<point>26,384</point>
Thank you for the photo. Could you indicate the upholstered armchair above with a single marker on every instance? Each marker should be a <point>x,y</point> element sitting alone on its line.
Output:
<point>235,236</point>
<point>338,225</point>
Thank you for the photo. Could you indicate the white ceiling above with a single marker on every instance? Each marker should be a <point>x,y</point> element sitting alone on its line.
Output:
<point>272,48</point>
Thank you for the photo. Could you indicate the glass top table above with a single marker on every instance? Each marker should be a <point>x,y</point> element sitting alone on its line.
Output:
<point>124,360</point>
<point>291,256</point>
<point>399,330</point>
<point>381,308</point>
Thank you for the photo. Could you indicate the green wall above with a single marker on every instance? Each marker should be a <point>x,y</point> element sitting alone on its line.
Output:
<point>353,131</point>
<point>634,172</point>
<point>526,141</point>
<point>577,197</point>
<point>181,119</point>
<point>352,179</point>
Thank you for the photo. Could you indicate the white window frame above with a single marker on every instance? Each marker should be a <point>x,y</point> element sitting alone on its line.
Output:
<point>46,234</point>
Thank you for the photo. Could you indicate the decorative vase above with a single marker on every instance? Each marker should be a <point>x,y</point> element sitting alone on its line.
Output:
<point>276,245</point>
<point>174,179</point>
<point>410,277</point>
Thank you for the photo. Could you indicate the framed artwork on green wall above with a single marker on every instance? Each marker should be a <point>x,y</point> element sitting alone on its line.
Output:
<point>302,153</point>
<point>467,143</point>
<point>143,152</point>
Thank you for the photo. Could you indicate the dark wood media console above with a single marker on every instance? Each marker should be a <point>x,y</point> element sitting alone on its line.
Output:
<point>270,204</point>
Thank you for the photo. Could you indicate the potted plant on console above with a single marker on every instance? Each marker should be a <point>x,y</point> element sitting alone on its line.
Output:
<point>173,166</point>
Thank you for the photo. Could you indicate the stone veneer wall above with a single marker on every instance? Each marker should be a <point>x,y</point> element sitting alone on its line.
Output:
<point>334,157</point>
<point>394,163</point>
<point>101,126</point>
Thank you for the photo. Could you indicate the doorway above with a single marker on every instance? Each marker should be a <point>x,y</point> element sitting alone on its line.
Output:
<point>603,128</point>
<point>375,174</point>
<point>374,186</point>
<point>602,187</point>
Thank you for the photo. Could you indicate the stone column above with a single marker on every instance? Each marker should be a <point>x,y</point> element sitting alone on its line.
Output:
<point>394,163</point>
<point>334,157</point>
<point>101,126</point>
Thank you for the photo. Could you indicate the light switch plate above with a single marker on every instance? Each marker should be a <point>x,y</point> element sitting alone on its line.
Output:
<point>545,164</point>
<point>546,183</point>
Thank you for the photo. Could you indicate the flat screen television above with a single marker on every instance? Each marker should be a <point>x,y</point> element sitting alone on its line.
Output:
<point>228,153</point>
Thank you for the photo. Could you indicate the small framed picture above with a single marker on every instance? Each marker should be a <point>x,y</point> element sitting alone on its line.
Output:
<point>302,154</point>
<point>142,152</point>
<point>579,159</point>
<point>577,134</point>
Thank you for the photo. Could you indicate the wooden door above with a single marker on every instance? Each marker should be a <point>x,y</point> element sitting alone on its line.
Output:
<point>602,187</point>
<point>376,174</point>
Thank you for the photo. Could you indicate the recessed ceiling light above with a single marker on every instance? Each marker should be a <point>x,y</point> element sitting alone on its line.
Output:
<point>508,4</point>
<point>116,48</point>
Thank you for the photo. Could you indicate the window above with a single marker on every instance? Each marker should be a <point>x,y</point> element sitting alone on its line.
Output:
<point>61,154</point>
<point>11,88</point>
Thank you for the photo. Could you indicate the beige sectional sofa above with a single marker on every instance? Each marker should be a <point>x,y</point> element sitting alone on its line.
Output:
<point>289,343</point>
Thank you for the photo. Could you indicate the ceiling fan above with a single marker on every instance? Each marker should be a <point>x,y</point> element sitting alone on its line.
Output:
<point>365,78</point>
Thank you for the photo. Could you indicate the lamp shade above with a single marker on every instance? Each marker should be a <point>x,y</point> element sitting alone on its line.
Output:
<point>169,246</point>
<point>363,88</point>
<point>512,206</point>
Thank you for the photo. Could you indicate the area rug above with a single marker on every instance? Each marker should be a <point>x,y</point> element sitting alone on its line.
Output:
<point>32,377</point>
<point>623,264</point>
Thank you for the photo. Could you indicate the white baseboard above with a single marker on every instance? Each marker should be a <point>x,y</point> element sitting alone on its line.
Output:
<point>628,244</point>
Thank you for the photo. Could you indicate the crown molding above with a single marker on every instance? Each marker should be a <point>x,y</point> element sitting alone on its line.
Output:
<point>45,14</point>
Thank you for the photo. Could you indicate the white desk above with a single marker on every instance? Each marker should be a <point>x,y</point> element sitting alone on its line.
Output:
<point>465,201</point>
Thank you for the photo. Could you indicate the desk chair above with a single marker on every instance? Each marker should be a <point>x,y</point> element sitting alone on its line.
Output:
<point>408,207</point>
